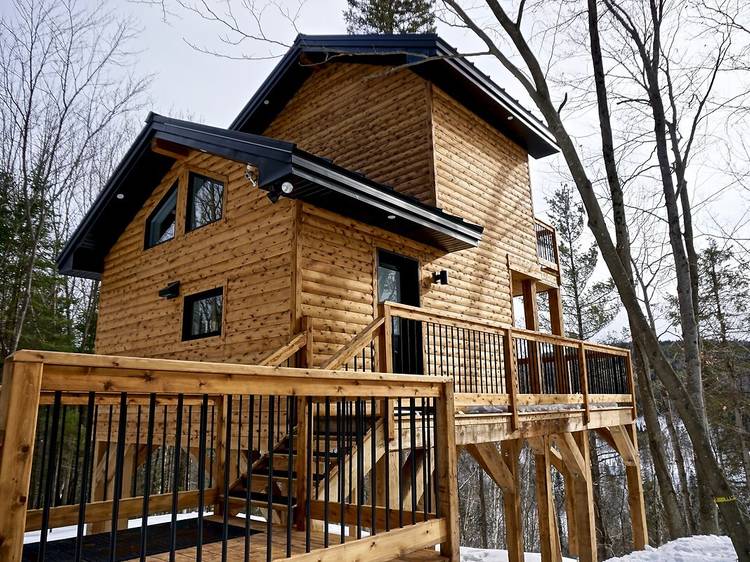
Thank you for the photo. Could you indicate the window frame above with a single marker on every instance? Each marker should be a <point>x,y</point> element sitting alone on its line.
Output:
<point>187,306</point>
<point>189,206</point>
<point>173,190</point>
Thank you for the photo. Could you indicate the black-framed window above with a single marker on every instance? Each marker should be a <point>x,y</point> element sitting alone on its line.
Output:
<point>201,317</point>
<point>160,225</point>
<point>205,201</point>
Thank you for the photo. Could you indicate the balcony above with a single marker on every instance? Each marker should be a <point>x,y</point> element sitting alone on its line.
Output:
<point>546,245</point>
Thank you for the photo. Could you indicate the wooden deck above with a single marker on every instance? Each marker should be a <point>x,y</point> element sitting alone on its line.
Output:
<point>258,541</point>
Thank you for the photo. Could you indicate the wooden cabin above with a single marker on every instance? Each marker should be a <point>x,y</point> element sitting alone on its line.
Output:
<point>302,316</point>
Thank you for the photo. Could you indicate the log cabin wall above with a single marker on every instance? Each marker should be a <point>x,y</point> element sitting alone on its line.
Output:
<point>367,120</point>
<point>482,176</point>
<point>249,252</point>
<point>337,261</point>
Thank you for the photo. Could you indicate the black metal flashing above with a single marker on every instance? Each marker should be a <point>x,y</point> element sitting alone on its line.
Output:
<point>315,179</point>
<point>426,54</point>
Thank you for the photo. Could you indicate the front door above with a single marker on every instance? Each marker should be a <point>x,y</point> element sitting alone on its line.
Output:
<point>398,281</point>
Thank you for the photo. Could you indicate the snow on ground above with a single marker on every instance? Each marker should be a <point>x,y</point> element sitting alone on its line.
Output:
<point>482,555</point>
<point>699,548</point>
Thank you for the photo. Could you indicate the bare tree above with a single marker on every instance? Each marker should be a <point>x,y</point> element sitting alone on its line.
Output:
<point>672,153</point>
<point>63,86</point>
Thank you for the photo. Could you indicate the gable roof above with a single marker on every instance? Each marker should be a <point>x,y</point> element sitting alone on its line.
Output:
<point>315,179</point>
<point>452,73</point>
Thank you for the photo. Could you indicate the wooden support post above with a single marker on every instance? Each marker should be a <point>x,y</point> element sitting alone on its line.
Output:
<point>583,500</point>
<point>447,471</point>
<point>531,314</point>
<point>385,360</point>
<point>492,462</point>
<point>548,537</point>
<point>512,502</point>
<point>223,417</point>
<point>635,494</point>
<point>570,512</point>
<point>556,312</point>
<point>19,407</point>
<point>511,377</point>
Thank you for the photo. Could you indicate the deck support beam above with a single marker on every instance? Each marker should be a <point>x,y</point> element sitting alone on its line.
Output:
<point>548,532</point>
<point>510,451</point>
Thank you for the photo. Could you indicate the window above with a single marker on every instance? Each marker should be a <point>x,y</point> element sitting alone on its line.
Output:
<point>160,225</point>
<point>205,201</point>
<point>202,315</point>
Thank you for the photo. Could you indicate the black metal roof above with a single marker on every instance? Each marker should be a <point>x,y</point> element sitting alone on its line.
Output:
<point>315,179</point>
<point>448,70</point>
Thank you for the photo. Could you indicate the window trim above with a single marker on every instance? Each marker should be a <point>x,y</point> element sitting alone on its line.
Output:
<point>147,231</point>
<point>188,301</point>
<point>189,200</point>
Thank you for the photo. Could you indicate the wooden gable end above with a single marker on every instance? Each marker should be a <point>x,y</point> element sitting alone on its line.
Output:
<point>367,119</point>
<point>248,252</point>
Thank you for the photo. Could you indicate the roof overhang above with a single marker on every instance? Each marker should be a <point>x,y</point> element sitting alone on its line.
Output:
<point>315,180</point>
<point>425,54</point>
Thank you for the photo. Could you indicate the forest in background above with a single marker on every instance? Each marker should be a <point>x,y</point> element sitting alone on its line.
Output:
<point>71,99</point>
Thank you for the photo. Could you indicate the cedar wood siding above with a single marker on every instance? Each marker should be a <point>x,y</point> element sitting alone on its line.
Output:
<point>249,252</point>
<point>367,120</point>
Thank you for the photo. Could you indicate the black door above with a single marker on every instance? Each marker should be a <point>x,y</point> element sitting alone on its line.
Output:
<point>398,281</point>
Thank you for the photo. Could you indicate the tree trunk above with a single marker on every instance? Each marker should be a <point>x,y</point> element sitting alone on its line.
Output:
<point>603,540</point>
<point>679,459</point>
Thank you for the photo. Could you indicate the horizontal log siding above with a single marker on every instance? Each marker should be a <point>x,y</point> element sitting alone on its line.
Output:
<point>367,120</point>
<point>337,269</point>
<point>484,177</point>
<point>249,252</point>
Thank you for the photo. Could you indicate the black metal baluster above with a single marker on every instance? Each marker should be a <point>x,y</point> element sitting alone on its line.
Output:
<point>212,448</point>
<point>119,467</point>
<point>187,447</point>
<point>326,470</point>
<point>147,475</point>
<point>74,485</point>
<point>58,466</point>
<point>413,445</point>
<point>358,428</point>
<point>373,466</point>
<point>425,459</point>
<point>202,428</point>
<point>400,464</point>
<point>163,451</point>
<point>309,472</point>
<point>175,478</point>
<point>106,458</point>
<point>341,475</point>
<point>269,500</point>
<point>249,473</point>
<point>291,406</point>
<point>134,483</point>
<point>48,487</point>
<point>87,453</point>
<point>387,476</point>
<point>227,464</point>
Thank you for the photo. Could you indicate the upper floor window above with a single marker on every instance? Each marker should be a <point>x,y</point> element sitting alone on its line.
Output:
<point>205,201</point>
<point>202,314</point>
<point>161,224</point>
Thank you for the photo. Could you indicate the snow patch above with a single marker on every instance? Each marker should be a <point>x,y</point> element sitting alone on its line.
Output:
<point>482,555</point>
<point>699,548</point>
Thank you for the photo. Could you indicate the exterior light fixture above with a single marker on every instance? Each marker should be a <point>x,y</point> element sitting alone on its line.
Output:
<point>250,175</point>
<point>171,291</point>
<point>287,187</point>
<point>265,102</point>
<point>391,217</point>
<point>509,118</point>
<point>440,277</point>
<point>120,196</point>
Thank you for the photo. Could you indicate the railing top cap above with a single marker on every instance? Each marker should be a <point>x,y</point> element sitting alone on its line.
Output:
<point>144,364</point>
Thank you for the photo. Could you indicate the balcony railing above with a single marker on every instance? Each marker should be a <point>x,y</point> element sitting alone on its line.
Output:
<point>133,457</point>
<point>491,364</point>
<point>546,243</point>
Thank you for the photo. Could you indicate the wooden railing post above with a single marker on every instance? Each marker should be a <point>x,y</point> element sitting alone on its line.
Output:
<point>584,384</point>
<point>511,377</point>
<point>447,472</point>
<point>19,406</point>
<point>385,361</point>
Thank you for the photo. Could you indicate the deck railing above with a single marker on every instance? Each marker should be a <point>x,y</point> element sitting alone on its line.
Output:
<point>546,243</point>
<point>491,364</point>
<point>220,461</point>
